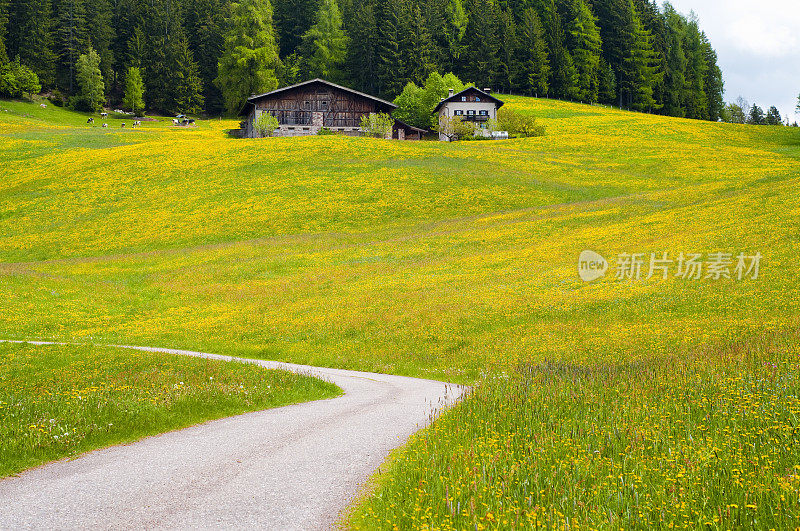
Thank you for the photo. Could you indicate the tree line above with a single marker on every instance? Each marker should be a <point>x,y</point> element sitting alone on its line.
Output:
<point>209,55</point>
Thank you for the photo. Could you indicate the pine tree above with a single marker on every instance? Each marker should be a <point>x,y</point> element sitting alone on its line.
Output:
<point>417,48</point>
<point>134,91</point>
<point>30,37</point>
<point>534,69</point>
<point>362,56</point>
<point>188,89</point>
<point>248,64</point>
<point>325,43</point>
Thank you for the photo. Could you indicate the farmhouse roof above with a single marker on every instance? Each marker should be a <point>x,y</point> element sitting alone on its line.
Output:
<point>457,97</point>
<point>257,97</point>
<point>409,126</point>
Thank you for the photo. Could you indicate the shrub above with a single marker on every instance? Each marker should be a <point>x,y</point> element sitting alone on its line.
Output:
<point>266,124</point>
<point>454,128</point>
<point>17,80</point>
<point>325,131</point>
<point>517,124</point>
<point>378,125</point>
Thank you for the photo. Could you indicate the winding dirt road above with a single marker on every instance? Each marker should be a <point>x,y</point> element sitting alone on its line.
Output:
<point>294,467</point>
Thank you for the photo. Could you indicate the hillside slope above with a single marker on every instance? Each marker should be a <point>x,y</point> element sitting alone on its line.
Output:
<point>454,261</point>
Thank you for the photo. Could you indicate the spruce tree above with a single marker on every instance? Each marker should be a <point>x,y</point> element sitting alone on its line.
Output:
<point>362,54</point>
<point>188,88</point>
<point>674,85</point>
<point>563,75</point>
<point>30,38</point>
<point>204,23</point>
<point>72,40</point>
<point>773,117</point>
<point>293,18</point>
<point>583,40</point>
<point>162,33</point>
<point>607,83</point>
<point>325,43</point>
<point>3,30</point>
<point>417,48</point>
<point>508,64</point>
<point>391,68</point>
<point>126,20</point>
<point>482,43</point>
<point>696,70</point>
<point>101,34</point>
<point>534,65</point>
<point>247,65</point>
<point>712,84</point>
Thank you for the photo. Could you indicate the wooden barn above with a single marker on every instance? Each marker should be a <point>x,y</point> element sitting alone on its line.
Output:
<point>305,108</point>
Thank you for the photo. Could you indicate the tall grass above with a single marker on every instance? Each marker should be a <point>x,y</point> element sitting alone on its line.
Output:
<point>58,401</point>
<point>707,438</point>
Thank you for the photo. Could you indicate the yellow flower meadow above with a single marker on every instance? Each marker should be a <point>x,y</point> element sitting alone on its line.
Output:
<point>616,403</point>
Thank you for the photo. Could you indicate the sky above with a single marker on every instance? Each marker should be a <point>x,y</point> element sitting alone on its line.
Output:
<point>758,44</point>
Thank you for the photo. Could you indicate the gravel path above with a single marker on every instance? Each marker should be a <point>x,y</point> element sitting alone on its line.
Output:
<point>294,467</point>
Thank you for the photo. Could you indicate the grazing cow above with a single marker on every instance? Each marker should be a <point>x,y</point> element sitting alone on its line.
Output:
<point>103,115</point>
<point>123,124</point>
<point>191,121</point>
<point>105,125</point>
<point>42,105</point>
<point>90,121</point>
<point>175,121</point>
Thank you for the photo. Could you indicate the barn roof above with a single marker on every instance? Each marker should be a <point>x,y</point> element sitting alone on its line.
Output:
<point>257,97</point>
<point>457,97</point>
<point>409,126</point>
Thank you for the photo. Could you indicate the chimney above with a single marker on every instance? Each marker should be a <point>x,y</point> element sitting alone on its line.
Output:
<point>450,95</point>
<point>487,90</point>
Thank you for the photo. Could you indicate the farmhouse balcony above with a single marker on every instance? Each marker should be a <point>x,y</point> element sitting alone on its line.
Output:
<point>477,118</point>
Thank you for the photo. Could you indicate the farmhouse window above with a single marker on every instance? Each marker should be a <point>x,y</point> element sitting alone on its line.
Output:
<point>458,113</point>
<point>463,98</point>
<point>324,105</point>
<point>484,113</point>
<point>470,112</point>
<point>307,105</point>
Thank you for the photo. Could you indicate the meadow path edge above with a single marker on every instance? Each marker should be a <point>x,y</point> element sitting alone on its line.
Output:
<point>292,467</point>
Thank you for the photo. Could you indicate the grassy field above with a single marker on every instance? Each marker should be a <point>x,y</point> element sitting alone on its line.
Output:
<point>633,403</point>
<point>57,401</point>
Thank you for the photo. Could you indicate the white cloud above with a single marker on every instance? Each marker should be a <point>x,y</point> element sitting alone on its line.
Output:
<point>758,44</point>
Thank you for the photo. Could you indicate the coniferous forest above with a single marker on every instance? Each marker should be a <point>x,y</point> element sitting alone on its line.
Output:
<point>209,55</point>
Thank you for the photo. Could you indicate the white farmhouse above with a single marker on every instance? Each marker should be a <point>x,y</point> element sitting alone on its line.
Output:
<point>471,104</point>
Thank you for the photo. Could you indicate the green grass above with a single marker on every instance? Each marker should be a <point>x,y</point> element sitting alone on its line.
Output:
<point>58,401</point>
<point>449,261</point>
